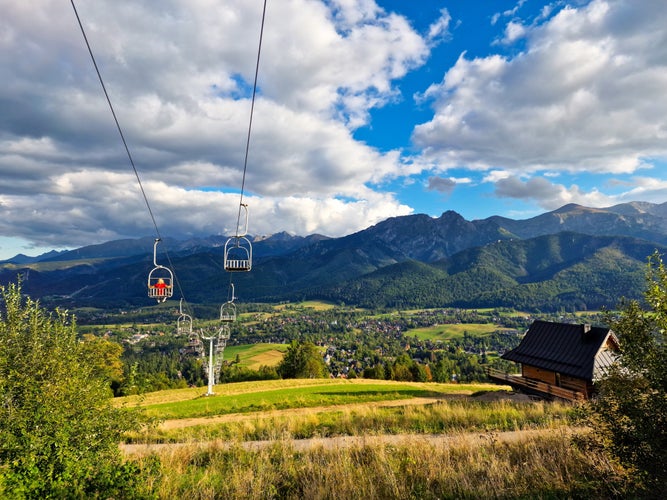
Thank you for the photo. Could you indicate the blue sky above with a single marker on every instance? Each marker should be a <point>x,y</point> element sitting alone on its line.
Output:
<point>366,110</point>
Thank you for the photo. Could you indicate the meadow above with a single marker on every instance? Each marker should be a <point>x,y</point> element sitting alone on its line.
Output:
<point>253,356</point>
<point>364,439</point>
<point>451,331</point>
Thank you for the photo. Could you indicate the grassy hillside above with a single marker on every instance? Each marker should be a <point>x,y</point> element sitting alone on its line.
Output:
<point>254,356</point>
<point>446,332</point>
<point>371,439</point>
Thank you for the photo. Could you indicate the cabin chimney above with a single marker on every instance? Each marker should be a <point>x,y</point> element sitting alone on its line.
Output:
<point>587,328</point>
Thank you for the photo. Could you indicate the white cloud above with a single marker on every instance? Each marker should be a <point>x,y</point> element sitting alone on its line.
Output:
<point>587,93</point>
<point>439,30</point>
<point>180,75</point>
<point>513,32</point>
<point>548,195</point>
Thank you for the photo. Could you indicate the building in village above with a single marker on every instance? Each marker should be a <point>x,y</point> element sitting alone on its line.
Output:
<point>560,360</point>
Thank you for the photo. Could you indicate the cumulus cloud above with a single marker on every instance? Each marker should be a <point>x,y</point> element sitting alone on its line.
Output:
<point>180,76</point>
<point>587,92</point>
<point>546,194</point>
<point>441,184</point>
<point>575,88</point>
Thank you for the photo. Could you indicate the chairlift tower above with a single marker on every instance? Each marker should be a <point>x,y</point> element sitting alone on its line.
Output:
<point>211,374</point>
<point>215,354</point>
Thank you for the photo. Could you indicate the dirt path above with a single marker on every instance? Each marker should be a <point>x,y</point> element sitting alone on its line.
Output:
<point>347,441</point>
<point>340,442</point>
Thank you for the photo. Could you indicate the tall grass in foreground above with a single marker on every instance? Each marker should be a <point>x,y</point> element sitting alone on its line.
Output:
<point>437,418</point>
<point>541,467</point>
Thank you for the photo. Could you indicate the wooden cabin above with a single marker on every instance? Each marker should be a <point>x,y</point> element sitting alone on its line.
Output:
<point>561,360</point>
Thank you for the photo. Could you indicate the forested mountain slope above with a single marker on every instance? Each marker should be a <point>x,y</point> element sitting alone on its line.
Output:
<point>573,257</point>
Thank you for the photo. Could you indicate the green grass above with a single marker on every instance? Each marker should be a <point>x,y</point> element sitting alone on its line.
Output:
<point>438,417</point>
<point>317,305</point>
<point>298,397</point>
<point>451,331</point>
<point>542,467</point>
<point>255,355</point>
<point>246,397</point>
<point>222,458</point>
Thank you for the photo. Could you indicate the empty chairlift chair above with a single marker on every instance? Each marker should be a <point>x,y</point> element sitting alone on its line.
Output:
<point>228,312</point>
<point>184,322</point>
<point>160,279</point>
<point>238,249</point>
<point>228,309</point>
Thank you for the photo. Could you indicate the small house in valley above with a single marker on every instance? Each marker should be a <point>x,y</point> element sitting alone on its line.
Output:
<point>561,360</point>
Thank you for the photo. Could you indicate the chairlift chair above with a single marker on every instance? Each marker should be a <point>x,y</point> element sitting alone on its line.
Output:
<point>224,333</point>
<point>195,344</point>
<point>160,279</point>
<point>184,322</point>
<point>228,312</point>
<point>228,309</point>
<point>238,249</point>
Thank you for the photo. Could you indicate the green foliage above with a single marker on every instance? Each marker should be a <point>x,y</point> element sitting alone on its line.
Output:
<point>302,360</point>
<point>104,357</point>
<point>236,373</point>
<point>59,432</point>
<point>631,411</point>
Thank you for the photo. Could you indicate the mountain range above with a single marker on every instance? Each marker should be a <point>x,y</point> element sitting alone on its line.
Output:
<point>572,258</point>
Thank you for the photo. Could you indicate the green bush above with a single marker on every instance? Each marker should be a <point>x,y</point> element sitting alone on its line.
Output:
<point>59,431</point>
<point>630,412</point>
<point>302,360</point>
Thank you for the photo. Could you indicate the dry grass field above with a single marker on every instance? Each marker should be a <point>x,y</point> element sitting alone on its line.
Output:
<point>436,442</point>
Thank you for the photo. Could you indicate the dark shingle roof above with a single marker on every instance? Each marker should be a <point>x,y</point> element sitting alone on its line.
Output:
<point>560,347</point>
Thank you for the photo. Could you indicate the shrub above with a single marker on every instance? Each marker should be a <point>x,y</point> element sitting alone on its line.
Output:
<point>59,432</point>
<point>631,410</point>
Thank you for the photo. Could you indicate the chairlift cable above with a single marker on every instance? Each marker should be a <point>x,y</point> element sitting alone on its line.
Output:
<point>245,263</point>
<point>122,137</point>
<point>252,109</point>
<point>113,113</point>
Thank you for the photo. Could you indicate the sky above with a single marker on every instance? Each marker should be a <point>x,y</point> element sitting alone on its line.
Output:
<point>365,110</point>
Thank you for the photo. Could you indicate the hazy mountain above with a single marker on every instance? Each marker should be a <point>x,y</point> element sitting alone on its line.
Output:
<point>571,257</point>
<point>638,220</point>
<point>25,259</point>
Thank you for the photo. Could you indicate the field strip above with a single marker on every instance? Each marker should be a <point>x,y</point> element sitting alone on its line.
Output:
<point>340,442</point>
<point>236,417</point>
